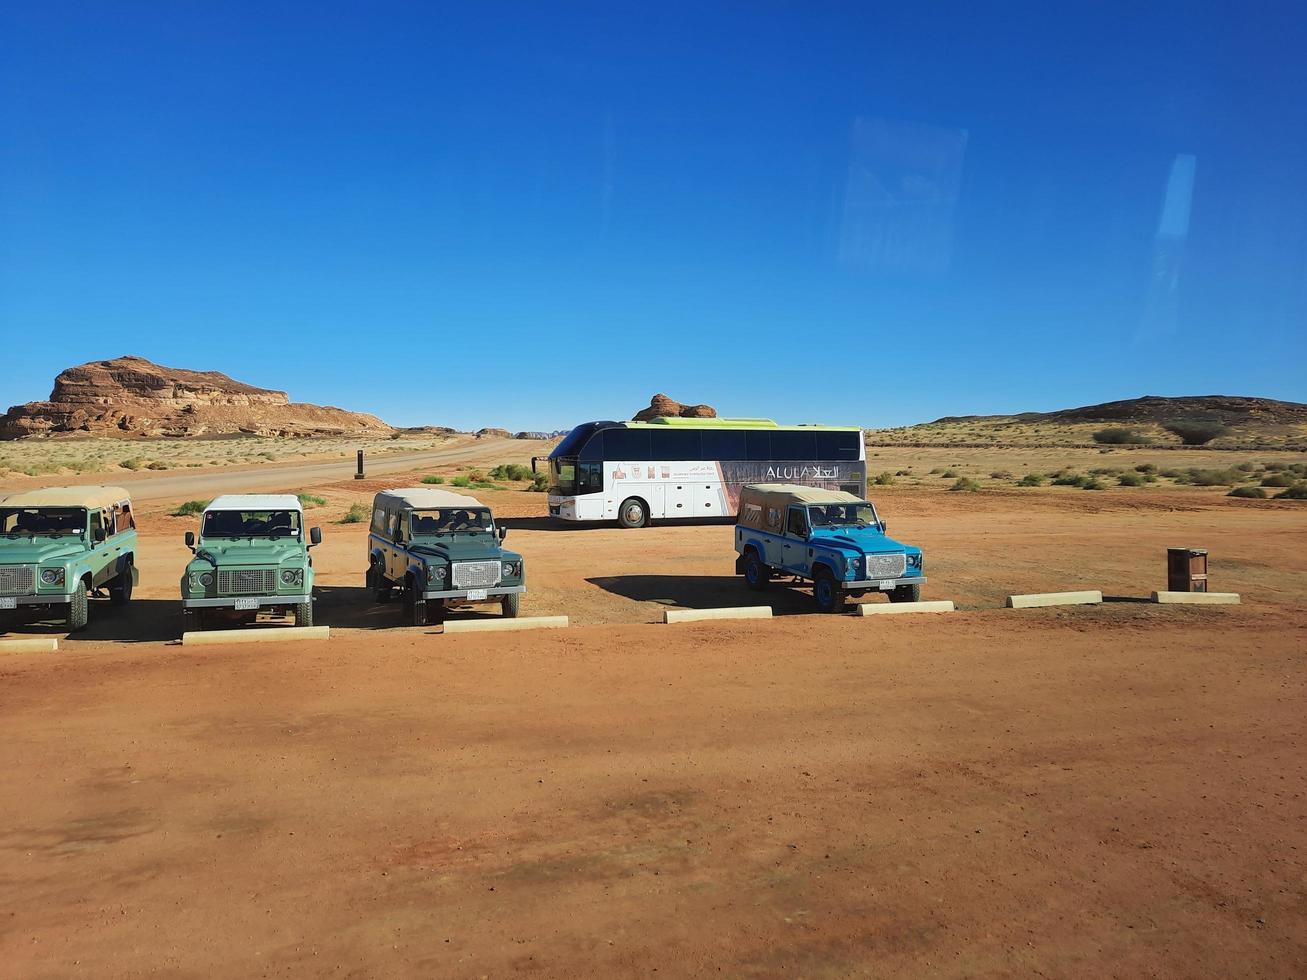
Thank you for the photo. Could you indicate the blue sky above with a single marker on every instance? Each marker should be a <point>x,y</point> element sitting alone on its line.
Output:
<point>532,215</point>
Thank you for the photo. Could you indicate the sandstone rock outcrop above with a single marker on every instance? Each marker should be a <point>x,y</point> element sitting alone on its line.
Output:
<point>660,406</point>
<point>493,433</point>
<point>130,396</point>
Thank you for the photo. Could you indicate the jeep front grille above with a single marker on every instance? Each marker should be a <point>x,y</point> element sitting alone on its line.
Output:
<point>17,579</point>
<point>247,581</point>
<point>886,566</point>
<point>476,574</point>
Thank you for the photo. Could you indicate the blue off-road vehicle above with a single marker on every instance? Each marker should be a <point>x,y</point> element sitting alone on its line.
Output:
<point>831,538</point>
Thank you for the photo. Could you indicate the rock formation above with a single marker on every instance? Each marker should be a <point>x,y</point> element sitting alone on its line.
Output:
<point>130,396</point>
<point>660,406</point>
<point>493,433</point>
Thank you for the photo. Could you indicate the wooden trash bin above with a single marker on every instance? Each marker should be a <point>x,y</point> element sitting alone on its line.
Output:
<point>1186,569</point>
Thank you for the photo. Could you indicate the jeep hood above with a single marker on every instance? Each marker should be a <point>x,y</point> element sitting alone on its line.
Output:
<point>247,553</point>
<point>480,547</point>
<point>868,540</point>
<point>34,551</point>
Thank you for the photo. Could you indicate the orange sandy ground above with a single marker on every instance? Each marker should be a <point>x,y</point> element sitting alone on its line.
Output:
<point>1081,791</point>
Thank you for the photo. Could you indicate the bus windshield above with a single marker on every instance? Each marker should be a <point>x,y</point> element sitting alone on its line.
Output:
<point>452,520</point>
<point>562,476</point>
<point>16,521</point>
<point>250,524</point>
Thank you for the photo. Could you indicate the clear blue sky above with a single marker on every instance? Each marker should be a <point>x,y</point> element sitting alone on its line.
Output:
<point>531,215</point>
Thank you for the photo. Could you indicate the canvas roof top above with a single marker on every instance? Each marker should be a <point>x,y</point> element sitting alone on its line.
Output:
<point>255,501</point>
<point>783,494</point>
<point>425,498</point>
<point>90,497</point>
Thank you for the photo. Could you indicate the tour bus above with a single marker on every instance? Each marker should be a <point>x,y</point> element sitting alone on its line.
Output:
<point>684,468</point>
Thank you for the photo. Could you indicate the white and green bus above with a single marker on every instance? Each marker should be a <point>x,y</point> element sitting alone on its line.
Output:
<point>681,468</point>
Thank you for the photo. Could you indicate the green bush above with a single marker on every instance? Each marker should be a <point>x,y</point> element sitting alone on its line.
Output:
<point>433,479</point>
<point>1253,493</point>
<point>1296,492</point>
<point>135,463</point>
<point>1280,479</point>
<point>357,514</point>
<point>885,479</point>
<point>1131,480</point>
<point>948,474</point>
<point>1000,475</point>
<point>539,483</point>
<point>1092,483</point>
<point>460,481</point>
<point>1146,468</point>
<point>1214,478</point>
<point>308,500</point>
<point>396,435</point>
<point>1174,474</point>
<point>1196,432</point>
<point>1246,467</point>
<point>1031,480</point>
<point>191,507</point>
<point>1118,436</point>
<point>158,464</point>
<point>965,483</point>
<point>511,471</point>
<point>1068,480</point>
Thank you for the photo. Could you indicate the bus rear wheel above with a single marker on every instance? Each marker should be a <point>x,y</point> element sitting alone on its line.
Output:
<point>633,513</point>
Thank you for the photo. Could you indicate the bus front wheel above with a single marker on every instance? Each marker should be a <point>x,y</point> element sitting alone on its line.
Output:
<point>633,513</point>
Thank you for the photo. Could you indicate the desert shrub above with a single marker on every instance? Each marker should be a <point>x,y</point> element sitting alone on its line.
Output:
<point>1196,432</point>
<point>396,435</point>
<point>1253,493</point>
<point>1296,492</point>
<point>1031,480</point>
<point>948,474</point>
<point>1092,483</point>
<point>1064,479</point>
<point>965,483</point>
<point>1105,471</point>
<point>1214,478</point>
<point>1146,468</point>
<point>310,500</point>
<point>357,514</point>
<point>511,471</point>
<point>433,479</point>
<point>1120,436</point>
<point>539,483</point>
<point>158,464</point>
<point>1278,480</point>
<point>460,481</point>
<point>135,463</point>
<point>190,507</point>
<point>1131,479</point>
<point>936,471</point>
<point>903,473</point>
<point>1275,464</point>
<point>1299,468</point>
<point>885,479</point>
<point>1000,475</point>
<point>1246,467</point>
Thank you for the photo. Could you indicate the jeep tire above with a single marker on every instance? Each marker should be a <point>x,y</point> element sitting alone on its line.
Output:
<point>377,584</point>
<point>120,590</point>
<point>415,605</point>
<point>827,592</point>
<point>633,513</point>
<point>304,613</point>
<point>757,576</point>
<point>511,604</point>
<point>78,613</point>
<point>905,593</point>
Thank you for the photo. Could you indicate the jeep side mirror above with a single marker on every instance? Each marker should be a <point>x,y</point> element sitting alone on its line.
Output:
<point>190,540</point>
<point>884,527</point>
<point>503,533</point>
<point>315,536</point>
<point>98,535</point>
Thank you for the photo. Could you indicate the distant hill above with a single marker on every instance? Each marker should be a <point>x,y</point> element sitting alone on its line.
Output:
<point>132,397</point>
<point>1242,423</point>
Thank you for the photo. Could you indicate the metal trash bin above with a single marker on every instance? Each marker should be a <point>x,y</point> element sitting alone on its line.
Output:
<point>1186,569</point>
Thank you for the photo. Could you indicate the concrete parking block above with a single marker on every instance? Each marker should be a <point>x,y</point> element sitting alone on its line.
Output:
<point>1037,600</point>
<point>30,644</point>
<point>894,608</point>
<point>700,615</point>
<point>492,625</point>
<point>280,634</point>
<point>1197,598</point>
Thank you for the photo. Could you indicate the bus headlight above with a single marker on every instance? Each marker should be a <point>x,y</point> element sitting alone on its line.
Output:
<point>52,576</point>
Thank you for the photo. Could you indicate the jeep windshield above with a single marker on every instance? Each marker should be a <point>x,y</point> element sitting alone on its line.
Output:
<point>46,521</point>
<point>842,515</point>
<point>250,524</point>
<point>451,520</point>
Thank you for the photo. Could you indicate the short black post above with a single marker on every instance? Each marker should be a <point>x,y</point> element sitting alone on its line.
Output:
<point>359,474</point>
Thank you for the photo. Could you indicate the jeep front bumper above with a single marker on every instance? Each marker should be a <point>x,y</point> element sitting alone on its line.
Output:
<point>884,584</point>
<point>229,601</point>
<point>35,599</point>
<point>463,593</point>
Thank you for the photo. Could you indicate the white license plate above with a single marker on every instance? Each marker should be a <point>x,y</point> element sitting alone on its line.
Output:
<point>8,602</point>
<point>247,603</point>
<point>474,595</point>
<point>885,585</point>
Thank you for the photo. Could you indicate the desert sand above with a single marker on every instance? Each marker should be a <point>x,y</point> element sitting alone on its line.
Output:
<point>1116,790</point>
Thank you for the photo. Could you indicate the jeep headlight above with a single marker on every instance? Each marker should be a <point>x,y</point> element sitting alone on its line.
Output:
<point>52,576</point>
<point>292,576</point>
<point>435,573</point>
<point>510,569</point>
<point>914,561</point>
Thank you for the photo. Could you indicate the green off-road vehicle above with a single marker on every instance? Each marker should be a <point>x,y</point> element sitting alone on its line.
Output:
<point>61,545</point>
<point>440,549</point>
<point>252,557</point>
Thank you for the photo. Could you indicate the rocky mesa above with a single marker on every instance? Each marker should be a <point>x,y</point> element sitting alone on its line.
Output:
<point>132,397</point>
<point>660,406</point>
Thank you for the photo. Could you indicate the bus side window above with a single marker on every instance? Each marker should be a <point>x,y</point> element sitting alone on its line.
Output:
<point>724,444</point>
<point>758,446</point>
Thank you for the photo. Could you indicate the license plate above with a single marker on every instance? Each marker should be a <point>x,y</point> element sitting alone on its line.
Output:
<point>8,602</point>
<point>247,604</point>
<point>474,595</point>
<point>885,585</point>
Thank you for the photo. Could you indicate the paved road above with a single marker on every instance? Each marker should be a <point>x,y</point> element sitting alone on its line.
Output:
<point>200,484</point>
